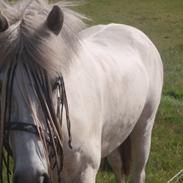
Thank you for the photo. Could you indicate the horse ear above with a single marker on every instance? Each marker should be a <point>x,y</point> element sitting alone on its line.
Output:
<point>3,23</point>
<point>55,20</point>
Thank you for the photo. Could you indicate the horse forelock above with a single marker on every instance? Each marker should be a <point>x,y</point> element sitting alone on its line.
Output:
<point>29,35</point>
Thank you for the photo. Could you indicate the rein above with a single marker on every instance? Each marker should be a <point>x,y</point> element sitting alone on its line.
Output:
<point>51,136</point>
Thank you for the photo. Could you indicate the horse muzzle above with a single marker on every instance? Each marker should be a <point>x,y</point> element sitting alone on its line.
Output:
<point>28,177</point>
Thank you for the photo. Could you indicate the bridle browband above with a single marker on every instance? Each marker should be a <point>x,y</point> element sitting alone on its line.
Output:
<point>52,139</point>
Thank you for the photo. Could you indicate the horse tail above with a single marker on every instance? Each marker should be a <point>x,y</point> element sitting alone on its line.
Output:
<point>125,152</point>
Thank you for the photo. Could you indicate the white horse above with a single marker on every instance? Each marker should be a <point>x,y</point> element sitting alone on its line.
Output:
<point>113,78</point>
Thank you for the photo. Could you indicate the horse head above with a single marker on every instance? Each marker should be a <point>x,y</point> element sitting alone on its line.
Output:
<point>31,108</point>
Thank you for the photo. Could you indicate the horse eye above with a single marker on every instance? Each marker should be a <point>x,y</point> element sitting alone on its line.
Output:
<point>1,87</point>
<point>1,83</point>
<point>54,86</point>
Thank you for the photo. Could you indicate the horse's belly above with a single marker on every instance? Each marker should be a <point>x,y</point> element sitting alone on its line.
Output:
<point>116,131</point>
<point>122,107</point>
<point>119,125</point>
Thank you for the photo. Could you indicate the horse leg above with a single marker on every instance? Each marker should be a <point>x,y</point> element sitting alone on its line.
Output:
<point>90,164</point>
<point>87,171</point>
<point>88,175</point>
<point>115,161</point>
<point>140,144</point>
<point>81,165</point>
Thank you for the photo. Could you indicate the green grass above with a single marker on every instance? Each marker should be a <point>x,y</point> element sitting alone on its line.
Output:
<point>162,21</point>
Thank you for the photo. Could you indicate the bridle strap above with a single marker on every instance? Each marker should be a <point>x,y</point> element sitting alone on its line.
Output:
<point>62,102</point>
<point>20,126</point>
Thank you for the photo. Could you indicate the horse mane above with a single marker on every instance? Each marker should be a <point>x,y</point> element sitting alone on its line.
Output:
<point>29,35</point>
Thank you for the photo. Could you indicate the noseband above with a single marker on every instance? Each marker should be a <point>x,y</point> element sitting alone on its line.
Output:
<point>21,126</point>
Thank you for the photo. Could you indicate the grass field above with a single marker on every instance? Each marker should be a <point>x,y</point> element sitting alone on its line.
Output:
<point>162,21</point>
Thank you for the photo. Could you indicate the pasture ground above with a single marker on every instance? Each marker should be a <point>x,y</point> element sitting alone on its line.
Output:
<point>162,21</point>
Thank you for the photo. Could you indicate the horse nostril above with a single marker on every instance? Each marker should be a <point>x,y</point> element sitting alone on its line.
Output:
<point>45,178</point>
<point>15,180</point>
